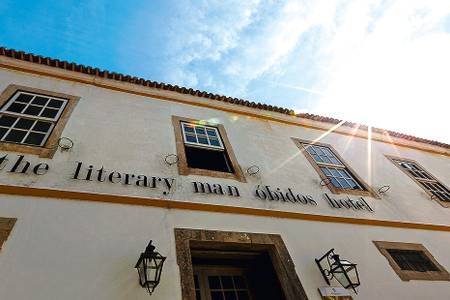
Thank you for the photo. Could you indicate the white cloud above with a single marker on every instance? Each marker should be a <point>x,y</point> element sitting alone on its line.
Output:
<point>385,63</point>
<point>394,76</point>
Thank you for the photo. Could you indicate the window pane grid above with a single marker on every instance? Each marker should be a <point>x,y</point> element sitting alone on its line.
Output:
<point>24,130</point>
<point>29,118</point>
<point>412,260</point>
<point>425,180</point>
<point>32,105</point>
<point>323,155</point>
<point>332,167</point>
<point>203,136</point>
<point>340,178</point>
<point>228,288</point>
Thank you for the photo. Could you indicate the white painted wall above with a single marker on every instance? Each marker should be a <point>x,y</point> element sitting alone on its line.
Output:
<point>84,250</point>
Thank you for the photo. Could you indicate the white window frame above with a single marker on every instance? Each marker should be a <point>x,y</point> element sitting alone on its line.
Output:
<point>209,146</point>
<point>4,112</point>
<point>339,166</point>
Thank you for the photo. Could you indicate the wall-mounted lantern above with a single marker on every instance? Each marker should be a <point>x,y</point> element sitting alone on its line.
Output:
<point>345,272</point>
<point>149,268</point>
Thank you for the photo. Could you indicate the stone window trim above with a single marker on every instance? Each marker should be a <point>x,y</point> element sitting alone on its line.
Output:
<point>184,169</point>
<point>51,145</point>
<point>368,191</point>
<point>6,225</point>
<point>187,239</point>
<point>393,158</point>
<point>407,275</point>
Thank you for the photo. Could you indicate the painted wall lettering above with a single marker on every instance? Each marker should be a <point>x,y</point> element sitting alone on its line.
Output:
<point>22,166</point>
<point>275,194</point>
<point>91,173</point>
<point>215,188</point>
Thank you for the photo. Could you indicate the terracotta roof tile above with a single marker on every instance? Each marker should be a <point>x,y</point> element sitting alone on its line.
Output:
<point>70,66</point>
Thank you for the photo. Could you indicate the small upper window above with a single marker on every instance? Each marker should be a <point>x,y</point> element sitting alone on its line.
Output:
<point>333,170</point>
<point>204,149</point>
<point>202,136</point>
<point>29,118</point>
<point>425,180</point>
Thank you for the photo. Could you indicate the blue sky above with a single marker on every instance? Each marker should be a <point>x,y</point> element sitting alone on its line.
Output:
<point>381,63</point>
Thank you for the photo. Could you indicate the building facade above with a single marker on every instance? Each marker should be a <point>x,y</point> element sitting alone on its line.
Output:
<point>240,197</point>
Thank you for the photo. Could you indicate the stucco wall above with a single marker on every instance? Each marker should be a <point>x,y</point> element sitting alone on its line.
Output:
<point>63,249</point>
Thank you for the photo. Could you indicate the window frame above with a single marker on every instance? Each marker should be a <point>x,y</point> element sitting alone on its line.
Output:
<point>435,180</point>
<point>407,275</point>
<point>48,149</point>
<point>184,169</point>
<point>366,191</point>
<point>189,240</point>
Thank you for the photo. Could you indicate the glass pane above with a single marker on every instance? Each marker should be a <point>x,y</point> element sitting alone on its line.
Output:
<point>203,140</point>
<point>2,131</point>
<point>214,142</point>
<point>24,98</point>
<point>227,283</point>
<point>200,130</point>
<point>344,173</point>
<point>343,183</point>
<point>243,295</point>
<point>319,151</point>
<point>55,103</point>
<point>188,128</point>
<point>49,113</point>
<point>35,138</point>
<point>335,172</point>
<point>211,132</point>
<point>40,100</point>
<point>33,110</point>
<point>327,152</point>
<point>191,138</point>
<point>7,121</point>
<point>216,296</point>
<point>326,159</point>
<point>310,150</point>
<point>316,158</point>
<point>335,161</point>
<point>16,107</point>
<point>230,295</point>
<point>335,182</point>
<point>239,282</point>
<point>214,282</point>
<point>352,184</point>
<point>24,123</point>
<point>15,136</point>
<point>326,171</point>
<point>42,126</point>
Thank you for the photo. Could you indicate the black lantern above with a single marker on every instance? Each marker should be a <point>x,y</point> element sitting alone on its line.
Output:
<point>149,267</point>
<point>345,272</point>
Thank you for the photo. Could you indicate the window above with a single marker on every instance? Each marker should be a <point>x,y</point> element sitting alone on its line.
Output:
<point>335,173</point>
<point>425,180</point>
<point>29,118</point>
<point>412,261</point>
<point>32,120</point>
<point>6,225</point>
<point>204,149</point>
<point>221,283</point>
